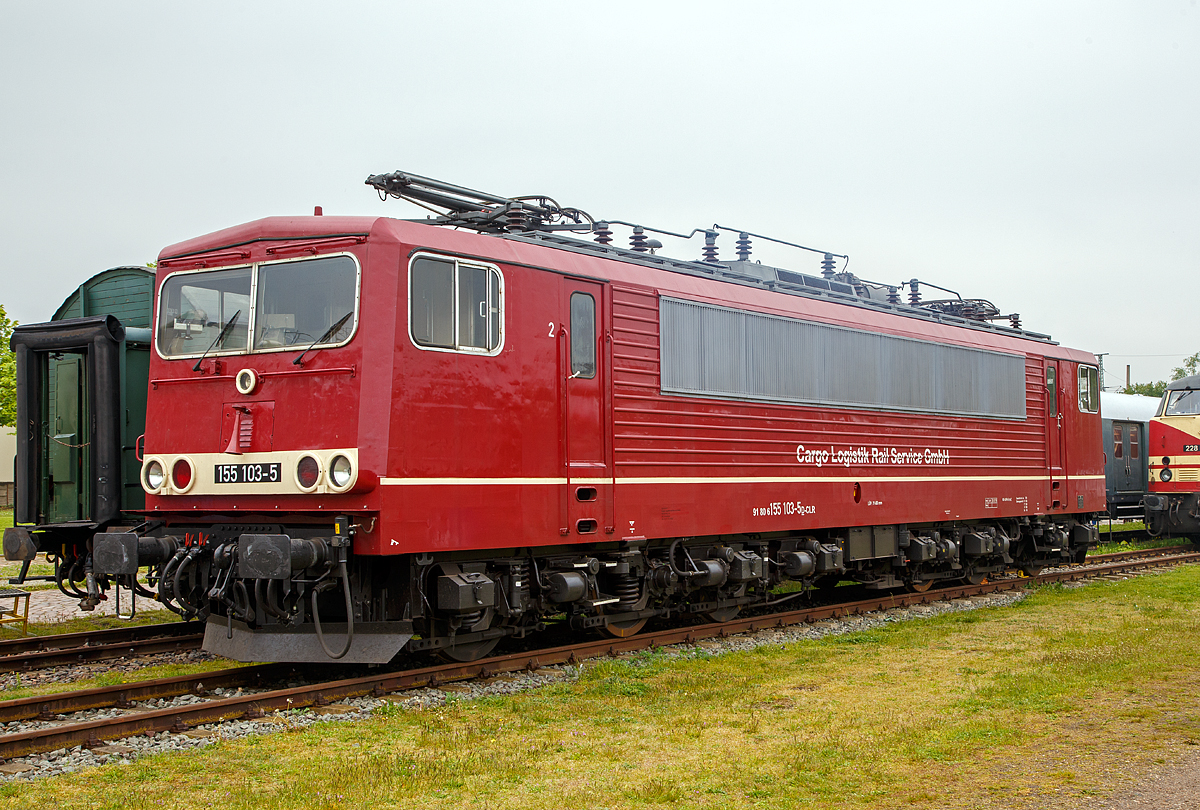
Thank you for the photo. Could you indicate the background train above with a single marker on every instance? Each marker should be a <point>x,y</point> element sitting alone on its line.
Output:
<point>1173,502</point>
<point>1125,436</point>
<point>83,376</point>
<point>364,434</point>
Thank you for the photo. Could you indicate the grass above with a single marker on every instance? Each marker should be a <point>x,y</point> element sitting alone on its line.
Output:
<point>21,689</point>
<point>82,624</point>
<point>6,518</point>
<point>1116,527</point>
<point>1020,707</point>
<point>10,570</point>
<point>1116,544</point>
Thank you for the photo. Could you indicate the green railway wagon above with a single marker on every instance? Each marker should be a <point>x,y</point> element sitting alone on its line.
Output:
<point>81,408</point>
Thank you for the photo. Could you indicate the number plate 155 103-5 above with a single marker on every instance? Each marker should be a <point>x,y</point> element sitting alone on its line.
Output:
<point>247,473</point>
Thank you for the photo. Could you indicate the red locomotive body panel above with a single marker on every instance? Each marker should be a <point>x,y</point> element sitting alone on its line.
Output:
<point>476,451</point>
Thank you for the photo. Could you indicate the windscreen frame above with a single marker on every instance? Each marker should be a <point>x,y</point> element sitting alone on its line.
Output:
<point>252,323</point>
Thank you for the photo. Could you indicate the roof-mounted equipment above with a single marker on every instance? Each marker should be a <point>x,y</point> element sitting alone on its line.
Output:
<point>463,207</point>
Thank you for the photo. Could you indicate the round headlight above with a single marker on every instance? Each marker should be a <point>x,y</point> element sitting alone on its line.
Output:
<point>1166,460</point>
<point>308,471</point>
<point>181,474</point>
<point>341,472</point>
<point>1165,476</point>
<point>153,477</point>
<point>246,381</point>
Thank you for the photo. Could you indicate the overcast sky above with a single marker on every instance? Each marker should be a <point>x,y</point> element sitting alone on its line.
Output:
<point>1042,155</point>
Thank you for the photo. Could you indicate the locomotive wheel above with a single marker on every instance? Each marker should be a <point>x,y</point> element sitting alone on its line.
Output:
<point>466,653</point>
<point>913,586</point>
<point>1031,570</point>
<point>624,629</point>
<point>723,614</point>
<point>975,579</point>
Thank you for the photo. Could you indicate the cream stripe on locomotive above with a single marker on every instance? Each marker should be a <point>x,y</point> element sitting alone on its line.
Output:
<point>1185,469</point>
<point>724,480</point>
<point>288,472</point>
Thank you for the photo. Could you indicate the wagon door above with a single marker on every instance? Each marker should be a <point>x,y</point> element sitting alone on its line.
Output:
<point>1127,449</point>
<point>588,474</point>
<point>67,443</point>
<point>1055,375</point>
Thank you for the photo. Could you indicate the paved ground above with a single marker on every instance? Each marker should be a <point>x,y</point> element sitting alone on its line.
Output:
<point>52,606</point>
<point>49,605</point>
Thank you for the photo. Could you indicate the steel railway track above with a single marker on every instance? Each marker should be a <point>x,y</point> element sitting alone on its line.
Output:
<point>136,721</point>
<point>40,652</point>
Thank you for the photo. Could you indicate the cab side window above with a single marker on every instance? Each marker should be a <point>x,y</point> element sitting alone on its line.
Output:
<point>1089,389</point>
<point>583,335</point>
<point>455,305</point>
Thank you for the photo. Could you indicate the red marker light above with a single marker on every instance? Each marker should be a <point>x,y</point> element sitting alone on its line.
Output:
<point>181,474</point>
<point>307,472</point>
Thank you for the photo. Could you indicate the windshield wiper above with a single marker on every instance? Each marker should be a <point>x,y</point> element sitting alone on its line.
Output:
<point>1177,408</point>
<point>330,332</point>
<point>220,336</point>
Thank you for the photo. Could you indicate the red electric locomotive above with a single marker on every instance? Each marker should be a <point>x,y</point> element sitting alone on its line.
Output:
<point>366,433</point>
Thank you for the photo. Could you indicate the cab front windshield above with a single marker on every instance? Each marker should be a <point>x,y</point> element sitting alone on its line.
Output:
<point>296,304</point>
<point>1182,403</point>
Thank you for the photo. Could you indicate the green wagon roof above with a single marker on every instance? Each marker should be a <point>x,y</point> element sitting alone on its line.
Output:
<point>126,292</point>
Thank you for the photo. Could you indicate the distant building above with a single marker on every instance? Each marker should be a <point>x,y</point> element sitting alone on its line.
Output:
<point>8,455</point>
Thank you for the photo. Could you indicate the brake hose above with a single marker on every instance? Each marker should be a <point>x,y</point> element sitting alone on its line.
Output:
<point>349,615</point>
<point>166,577</point>
<point>675,568</point>
<point>185,565</point>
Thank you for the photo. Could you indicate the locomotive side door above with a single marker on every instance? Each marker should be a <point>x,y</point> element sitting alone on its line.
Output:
<point>588,475</point>
<point>1056,374</point>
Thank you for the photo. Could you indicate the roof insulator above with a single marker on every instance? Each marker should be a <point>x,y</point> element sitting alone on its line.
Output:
<point>827,266</point>
<point>743,247</point>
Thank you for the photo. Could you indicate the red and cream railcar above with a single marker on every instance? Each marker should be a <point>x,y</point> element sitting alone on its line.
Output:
<point>1172,505</point>
<point>364,433</point>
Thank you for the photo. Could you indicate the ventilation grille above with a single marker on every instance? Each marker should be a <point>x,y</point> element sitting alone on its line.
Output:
<point>730,353</point>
